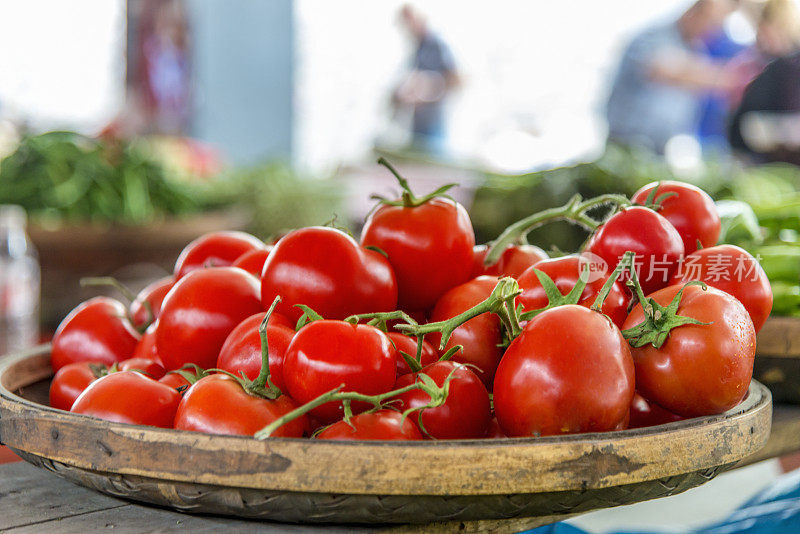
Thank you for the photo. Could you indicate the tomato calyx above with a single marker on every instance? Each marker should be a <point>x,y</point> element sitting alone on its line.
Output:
<point>654,201</point>
<point>262,386</point>
<point>500,302</point>
<point>99,369</point>
<point>127,294</point>
<point>308,316</point>
<point>575,210</point>
<point>554,296</point>
<point>658,320</point>
<point>190,377</point>
<point>425,383</point>
<point>407,197</point>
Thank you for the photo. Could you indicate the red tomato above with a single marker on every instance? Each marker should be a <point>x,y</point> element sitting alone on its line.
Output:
<point>691,211</point>
<point>408,345</point>
<point>253,261</point>
<point>96,331</point>
<point>152,369</point>
<point>429,247</point>
<point>645,413</point>
<point>129,397</point>
<point>154,294</point>
<point>700,369</point>
<point>495,432</point>
<point>464,415</point>
<point>656,243</point>
<point>70,381</point>
<point>241,351</point>
<point>734,271</point>
<point>480,336</point>
<point>513,262</point>
<point>326,354</point>
<point>175,380</point>
<point>326,269</point>
<point>146,348</point>
<point>199,313</point>
<point>569,371</point>
<point>565,272</point>
<point>384,425</point>
<point>217,249</point>
<point>217,404</point>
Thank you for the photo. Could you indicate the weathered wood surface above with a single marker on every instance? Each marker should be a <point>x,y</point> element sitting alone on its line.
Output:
<point>304,480</point>
<point>777,363</point>
<point>33,501</point>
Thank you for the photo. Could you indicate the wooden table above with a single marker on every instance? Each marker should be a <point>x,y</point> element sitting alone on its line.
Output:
<point>33,500</point>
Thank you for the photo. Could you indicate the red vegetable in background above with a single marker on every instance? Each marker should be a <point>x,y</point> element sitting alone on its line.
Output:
<point>690,210</point>
<point>408,345</point>
<point>513,262</point>
<point>734,271</point>
<point>70,381</point>
<point>154,295</point>
<point>253,261</point>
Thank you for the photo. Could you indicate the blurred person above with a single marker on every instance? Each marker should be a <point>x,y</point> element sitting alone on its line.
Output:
<point>663,72</point>
<point>424,89</point>
<point>161,72</point>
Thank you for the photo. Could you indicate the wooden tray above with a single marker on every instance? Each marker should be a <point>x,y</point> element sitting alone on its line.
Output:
<point>300,480</point>
<point>778,358</point>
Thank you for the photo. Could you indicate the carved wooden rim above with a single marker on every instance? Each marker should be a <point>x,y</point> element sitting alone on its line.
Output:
<point>467,467</point>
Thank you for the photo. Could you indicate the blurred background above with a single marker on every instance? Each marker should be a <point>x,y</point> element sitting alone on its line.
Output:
<point>128,128</point>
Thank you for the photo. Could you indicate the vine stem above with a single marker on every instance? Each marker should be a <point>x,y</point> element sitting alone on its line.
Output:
<point>574,210</point>
<point>263,380</point>
<point>499,302</point>
<point>333,395</point>
<point>626,263</point>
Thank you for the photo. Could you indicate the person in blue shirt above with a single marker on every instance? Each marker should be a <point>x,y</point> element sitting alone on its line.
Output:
<point>656,93</point>
<point>431,78</point>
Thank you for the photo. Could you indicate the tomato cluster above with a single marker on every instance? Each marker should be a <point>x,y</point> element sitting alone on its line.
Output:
<point>414,332</point>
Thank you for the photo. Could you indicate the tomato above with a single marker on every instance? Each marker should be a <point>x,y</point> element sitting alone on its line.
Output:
<point>154,294</point>
<point>645,413</point>
<point>513,262</point>
<point>146,348</point>
<point>96,331</point>
<point>565,272</point>
<point>656,243</point>
<point>495,432</point>
<point>253,261</point>
<point>690,210</point>
<point>152,369</point>
<point>217,404</point>
<point>734,271</point>
<point>481,336</point>
<point>429,247</point>
<point>464,415</point>
<point>175,380</point>
<point>200,311</point>
<point>408,345</point>
<point>129,397</point>
<point>326,354</point>
<point>241,351</point>
<point>700,369</point>
<point>329,271</point>
<point>216,249</point>
<point>70,381</point>
<point>382,425</point>
<point>569,371</point>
